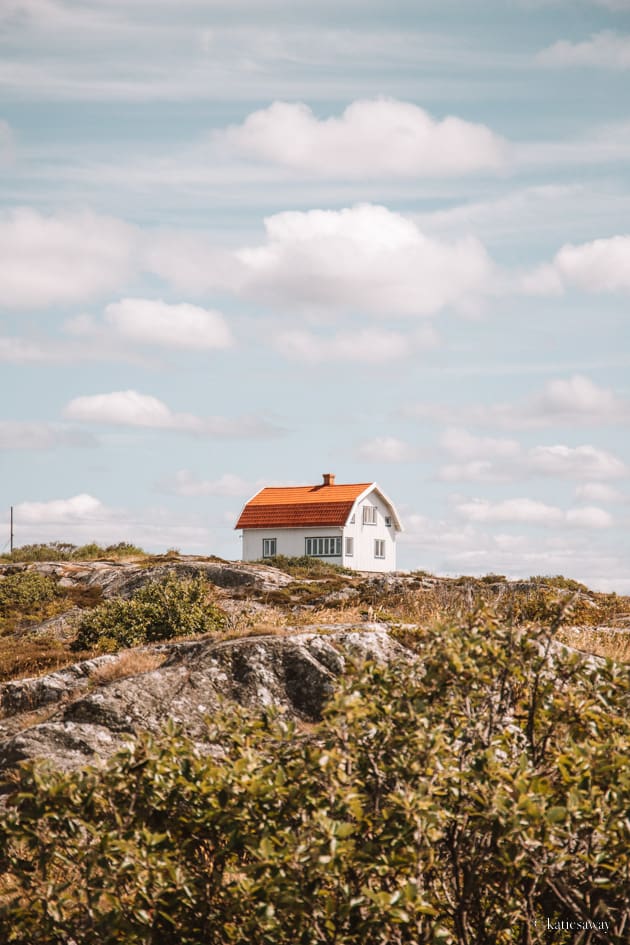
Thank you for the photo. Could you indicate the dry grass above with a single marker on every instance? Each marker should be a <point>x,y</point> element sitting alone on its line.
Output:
<point>129,663</point>
<point>16,621</point>
<point>348,613</point>
<point>24,656</point>
<point>271,620</point>
<point>599,641</point>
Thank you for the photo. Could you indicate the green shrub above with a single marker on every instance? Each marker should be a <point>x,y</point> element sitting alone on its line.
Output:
<point>26,590</point>
<point>304,566</point>
<point>560,582</point>
<point>64,551</point>
<point>160,610</point>
<point>462,800</point>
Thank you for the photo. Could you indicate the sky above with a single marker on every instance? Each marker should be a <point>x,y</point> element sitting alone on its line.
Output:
<point>246,243</point>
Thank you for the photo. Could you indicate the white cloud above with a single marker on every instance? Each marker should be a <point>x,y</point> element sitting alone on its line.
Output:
<point>580,462</point>
<point>79,508</point>
<point>531,512</point>
<point>83,518</point>
<point>67,257</point>
<point>579,399</point>
<point>130,408</point>
<point>574,401</point>
<point>464,548</point>
<point>185,483</point>
<point>459,546</point>
<point>154,322</point>
<point>54,259</point>
<point>600,266</point>
<point>386,449</point>
<point>486,459</point>
<point>364,258</point>
<point>38,435</point>
<point>366,345</point>
<point>607,50</point>
<point>527,511</point>
<point>589,517</point>
<point>599,492</point>
<point>378,138</point>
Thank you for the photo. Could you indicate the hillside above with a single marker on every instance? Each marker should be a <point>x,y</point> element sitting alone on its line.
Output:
<point>280,638</point>
<point>292,754</point>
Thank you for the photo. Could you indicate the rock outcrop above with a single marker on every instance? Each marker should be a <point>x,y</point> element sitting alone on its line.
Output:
<point>295,673</point>
<point>124,578</point>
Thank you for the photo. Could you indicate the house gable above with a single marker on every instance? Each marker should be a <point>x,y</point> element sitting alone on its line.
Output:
<point>373,488</point>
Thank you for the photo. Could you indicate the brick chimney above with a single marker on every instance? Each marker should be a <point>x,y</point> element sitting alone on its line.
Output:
<point>329,479</point>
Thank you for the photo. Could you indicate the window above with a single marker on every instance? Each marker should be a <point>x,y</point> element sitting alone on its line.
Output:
<point>349,547</point>
<point>379,548</point>
<point>269,547</point>
<point>352,520</point>
<point>323,547</point>
<point>388,521</point>
<point>369,515</point>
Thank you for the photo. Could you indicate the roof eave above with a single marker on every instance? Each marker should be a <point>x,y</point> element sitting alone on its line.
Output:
<point>238,527</point>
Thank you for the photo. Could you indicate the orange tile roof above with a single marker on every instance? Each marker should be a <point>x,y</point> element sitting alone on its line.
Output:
<point>301,506</point>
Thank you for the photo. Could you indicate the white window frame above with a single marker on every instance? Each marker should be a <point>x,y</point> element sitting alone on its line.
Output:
<point>326,546</point>
<point>369,515</point>
<point>379,544</point>
<point>270,547</point>
<point>349,547</point>
<point>388,521</point>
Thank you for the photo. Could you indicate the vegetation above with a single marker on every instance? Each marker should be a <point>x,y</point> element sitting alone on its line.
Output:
<point>28,597</point>
<point>64,551</point>
<point>559,582</point>
<point>606,642</point>
<point>158,611</point>
<point>29,655</point>
<point>466,798</point>
<point>517,601</point>
<point>305,566</point>
<point>26,591</point>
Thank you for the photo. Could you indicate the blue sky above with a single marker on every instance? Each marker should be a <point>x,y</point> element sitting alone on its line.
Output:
<point>246,243</point>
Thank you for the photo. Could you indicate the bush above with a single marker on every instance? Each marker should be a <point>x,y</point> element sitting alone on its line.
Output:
<point>560,582</point>
<point>464,799</point>
<point>27,597</point>
<point>64,551</point>
<point>160,610</point>
<point>26,590</point>
<point>304,566</point>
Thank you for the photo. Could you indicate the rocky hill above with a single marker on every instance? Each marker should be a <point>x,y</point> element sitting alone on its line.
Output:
<point>285,638</point>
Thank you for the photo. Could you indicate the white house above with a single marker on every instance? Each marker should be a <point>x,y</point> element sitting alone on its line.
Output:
<point>350,524</point>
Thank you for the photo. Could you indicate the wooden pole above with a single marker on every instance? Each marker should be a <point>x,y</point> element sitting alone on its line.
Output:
<point>11,533</point>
